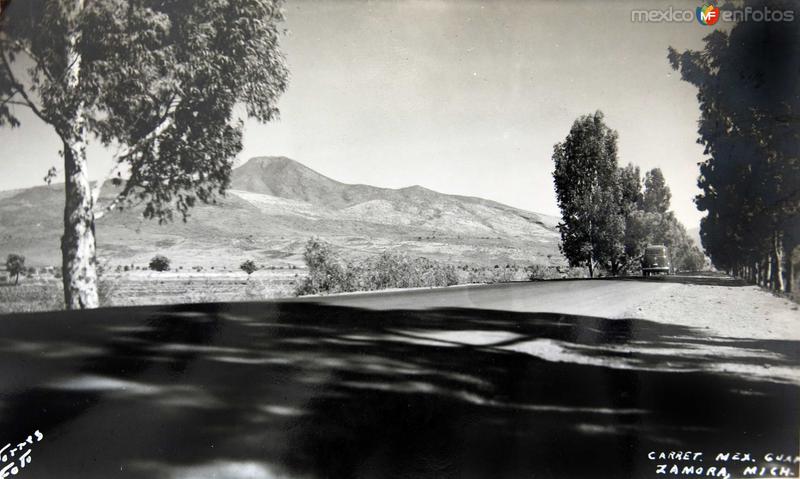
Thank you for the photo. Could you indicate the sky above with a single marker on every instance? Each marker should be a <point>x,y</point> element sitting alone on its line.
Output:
<point>462,97</point>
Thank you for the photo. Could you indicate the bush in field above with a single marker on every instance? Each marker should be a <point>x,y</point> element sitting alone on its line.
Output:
<point>328,273</point>
<point>390,270</point>
<point>15,265</point>
<point>538,272</point>
<point>248,267</point>
<point>159,263</point>
<point>398,270</point>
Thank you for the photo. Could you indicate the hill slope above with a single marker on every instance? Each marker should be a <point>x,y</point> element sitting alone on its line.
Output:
<point>273,206</point>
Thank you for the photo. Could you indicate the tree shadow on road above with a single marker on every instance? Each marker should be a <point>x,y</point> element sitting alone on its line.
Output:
<point>307,390</point>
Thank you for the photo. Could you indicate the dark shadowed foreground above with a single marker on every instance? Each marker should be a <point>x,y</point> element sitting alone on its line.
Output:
<point>311,390</point>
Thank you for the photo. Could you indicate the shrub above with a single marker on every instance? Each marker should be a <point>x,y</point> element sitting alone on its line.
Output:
<point>248,267</point>
<point>398,270</point>
<point>328,273</point>
<point>159,263</point>
<point>539,271</point>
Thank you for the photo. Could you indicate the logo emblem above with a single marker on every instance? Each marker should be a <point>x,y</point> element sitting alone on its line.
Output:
<point>708,14</point>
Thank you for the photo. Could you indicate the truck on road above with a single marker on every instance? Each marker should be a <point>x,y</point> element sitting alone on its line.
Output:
<point>656,260</point>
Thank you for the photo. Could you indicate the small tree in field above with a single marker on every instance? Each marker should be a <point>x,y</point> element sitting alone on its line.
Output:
<point>161,82</point>
<point>15,264</point>
<point>248,267</point>
<point>159,263</point>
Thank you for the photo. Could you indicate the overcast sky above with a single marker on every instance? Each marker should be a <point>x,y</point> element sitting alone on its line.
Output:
<point>461,97</point>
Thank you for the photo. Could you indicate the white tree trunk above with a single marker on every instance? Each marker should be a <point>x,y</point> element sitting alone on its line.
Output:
<point>777,241</point>
<point>78,243</point>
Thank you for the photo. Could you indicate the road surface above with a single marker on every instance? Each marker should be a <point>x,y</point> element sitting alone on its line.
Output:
<point>553,379</point>
<point>589,297</point>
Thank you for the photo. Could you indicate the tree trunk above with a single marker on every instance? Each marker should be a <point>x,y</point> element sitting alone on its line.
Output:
<point>788,263</point>
<point>78,242</point>
<point>768,272</point>
<point>758,267</point>
<point>777,242</point>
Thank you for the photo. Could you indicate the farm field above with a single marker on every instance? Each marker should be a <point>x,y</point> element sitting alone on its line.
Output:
<point>44,292</point>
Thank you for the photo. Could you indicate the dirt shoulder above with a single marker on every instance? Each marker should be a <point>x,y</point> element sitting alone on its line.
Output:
<point>725,310</point>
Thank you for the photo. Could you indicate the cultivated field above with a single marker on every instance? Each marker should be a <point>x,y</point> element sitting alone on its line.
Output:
<point>44,292</point>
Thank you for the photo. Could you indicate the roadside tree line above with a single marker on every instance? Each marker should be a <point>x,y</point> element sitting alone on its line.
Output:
<point>609,214</point>
<point>749,96</point>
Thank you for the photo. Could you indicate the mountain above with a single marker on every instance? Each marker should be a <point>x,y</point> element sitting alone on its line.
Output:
<point>273,206</point>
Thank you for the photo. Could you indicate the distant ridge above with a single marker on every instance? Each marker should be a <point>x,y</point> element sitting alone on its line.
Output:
<point>275,204</point>
<point>286,178</point>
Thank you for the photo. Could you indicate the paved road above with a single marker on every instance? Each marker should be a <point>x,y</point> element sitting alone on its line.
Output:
<point>511,381</point>
<point>607,298</point>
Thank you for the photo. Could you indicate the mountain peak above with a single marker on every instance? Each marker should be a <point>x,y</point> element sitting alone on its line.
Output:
<point>271,160</point>
<point>286,178</point>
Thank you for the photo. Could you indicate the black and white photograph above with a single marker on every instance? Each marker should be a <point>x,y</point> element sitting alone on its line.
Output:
<point>366,239</point>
